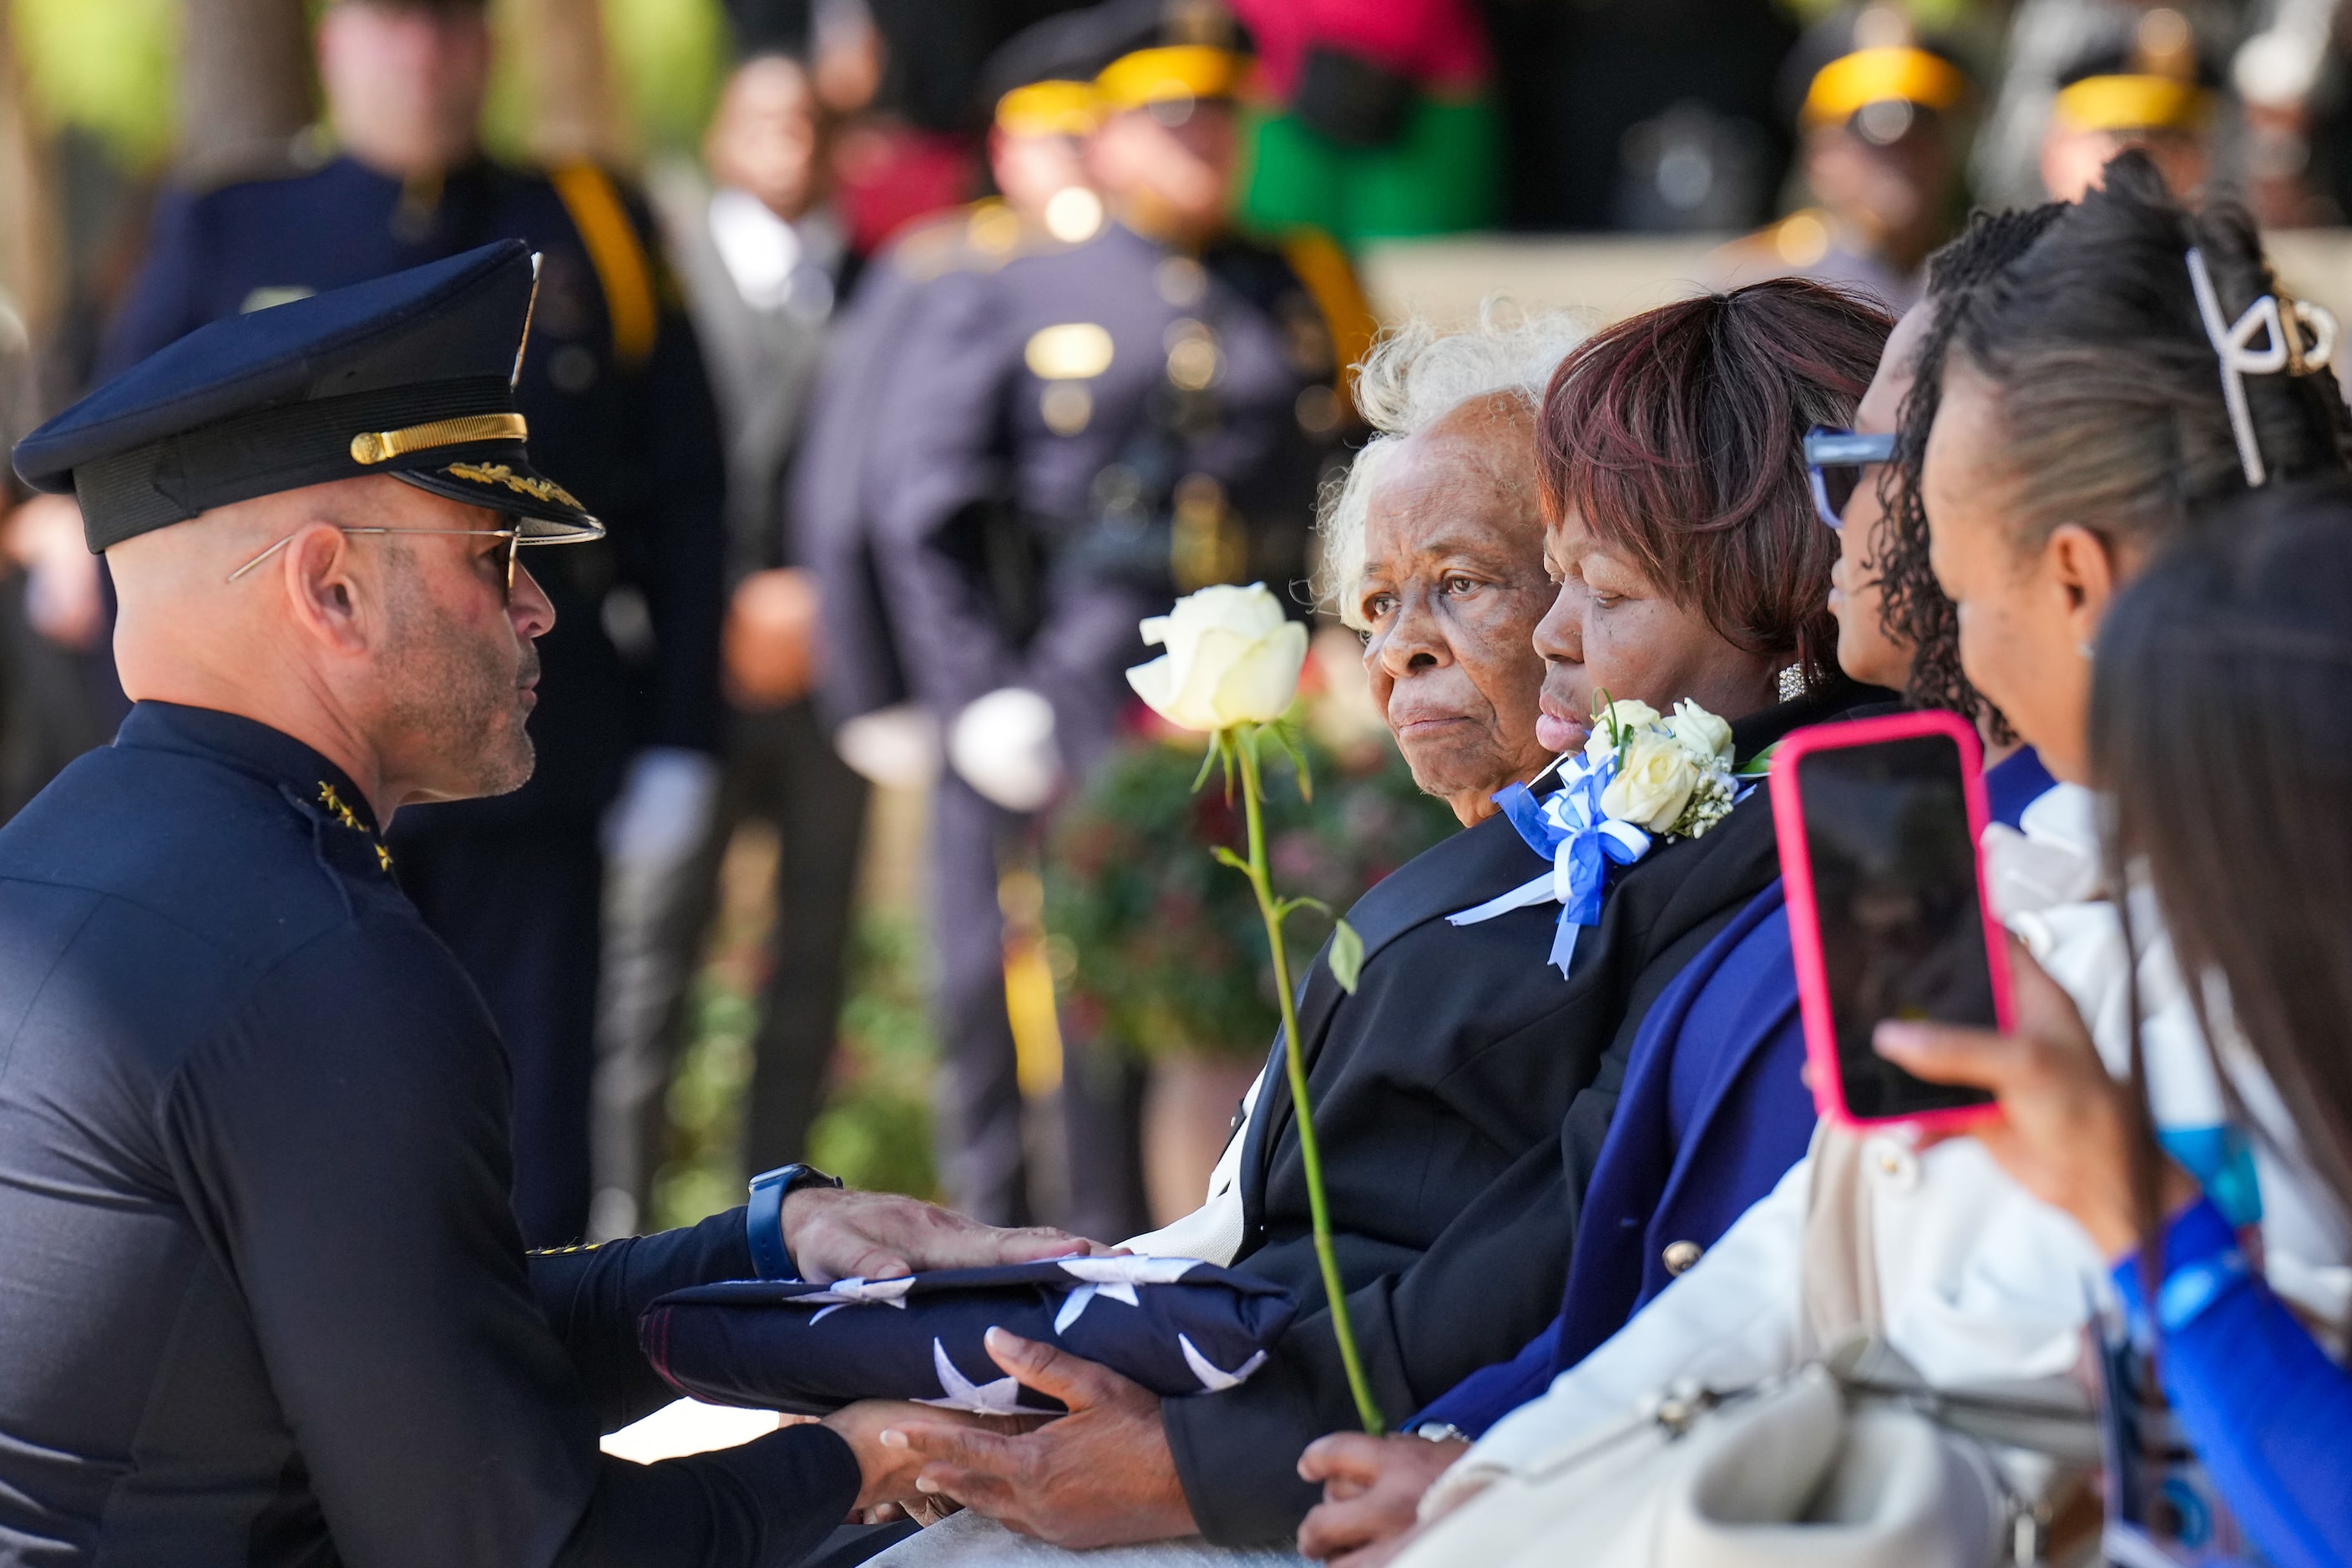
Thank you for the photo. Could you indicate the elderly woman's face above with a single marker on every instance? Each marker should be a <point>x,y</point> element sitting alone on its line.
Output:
<point>1451,588</point>
<point>1612,629</point>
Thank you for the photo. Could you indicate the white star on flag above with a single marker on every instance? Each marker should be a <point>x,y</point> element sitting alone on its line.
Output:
<point>861,1293</point>
<point>1002,1398</point>
<point>1117,1278</point>
<point>1214,1379</point>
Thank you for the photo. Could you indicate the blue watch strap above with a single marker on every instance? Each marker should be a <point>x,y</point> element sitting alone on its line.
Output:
<point>764,1216</point>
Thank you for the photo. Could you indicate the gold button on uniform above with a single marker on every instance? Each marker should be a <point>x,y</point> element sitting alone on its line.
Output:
<point>1680,1256</point>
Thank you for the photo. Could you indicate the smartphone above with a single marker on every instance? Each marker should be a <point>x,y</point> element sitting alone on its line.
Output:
<point>1879,821</point>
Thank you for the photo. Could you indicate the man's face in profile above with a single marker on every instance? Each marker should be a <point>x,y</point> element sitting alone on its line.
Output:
<point>459,667</point>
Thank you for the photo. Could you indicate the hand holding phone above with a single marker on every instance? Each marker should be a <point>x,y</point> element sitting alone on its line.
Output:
<point>1878,822</point>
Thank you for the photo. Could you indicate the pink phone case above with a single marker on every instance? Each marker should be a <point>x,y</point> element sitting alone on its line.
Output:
<point>1804,919</point>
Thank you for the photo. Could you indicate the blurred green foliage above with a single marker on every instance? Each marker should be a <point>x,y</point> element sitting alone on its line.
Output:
<point>876,1130</point>
<point>107,66</point>
<point>110,67</point>
<point>1164,949</point>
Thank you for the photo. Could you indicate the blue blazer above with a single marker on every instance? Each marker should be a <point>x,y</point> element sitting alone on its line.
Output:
<point>1713,1112</point>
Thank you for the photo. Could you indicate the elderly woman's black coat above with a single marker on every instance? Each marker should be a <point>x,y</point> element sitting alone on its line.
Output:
<point>1461,1096</point>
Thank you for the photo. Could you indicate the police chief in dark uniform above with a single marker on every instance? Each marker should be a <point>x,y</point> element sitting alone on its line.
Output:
<point>1071,438</point>
<point>265,1300</point>
<point>615,388</point>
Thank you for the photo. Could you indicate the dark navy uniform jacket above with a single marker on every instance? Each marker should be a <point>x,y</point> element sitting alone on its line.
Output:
<point>1713,1112</point>
<point>612,385</point>
<point>984,408</point>
<point>263,1300</point>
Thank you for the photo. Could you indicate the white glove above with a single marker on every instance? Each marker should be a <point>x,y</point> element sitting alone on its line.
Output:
<point>1003,745</point>
<point>895,748</point>
<point>664,808</point>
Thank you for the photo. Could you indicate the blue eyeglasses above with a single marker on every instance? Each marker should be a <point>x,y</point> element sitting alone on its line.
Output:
<point>1834,459</point>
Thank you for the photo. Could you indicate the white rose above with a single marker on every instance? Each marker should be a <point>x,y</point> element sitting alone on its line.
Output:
<point>1232,658</point>
<point>1631,713</point>
<point>1654,784</point>
<point>1706,737</point>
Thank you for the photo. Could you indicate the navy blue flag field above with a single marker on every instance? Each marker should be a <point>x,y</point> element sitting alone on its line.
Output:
<point>1175,1325</point>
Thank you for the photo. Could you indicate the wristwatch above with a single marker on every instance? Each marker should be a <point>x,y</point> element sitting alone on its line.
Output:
<point>764,1216</point>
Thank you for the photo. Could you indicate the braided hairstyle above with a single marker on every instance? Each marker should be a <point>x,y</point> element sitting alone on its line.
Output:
<point>2108,390</point>
<point>1912,606</point>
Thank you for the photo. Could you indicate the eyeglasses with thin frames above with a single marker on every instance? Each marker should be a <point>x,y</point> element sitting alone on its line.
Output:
<point>1834,460</point>
<point>513,537</point>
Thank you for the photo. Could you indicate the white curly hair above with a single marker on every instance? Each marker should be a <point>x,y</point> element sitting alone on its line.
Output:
<point>1412,377</point>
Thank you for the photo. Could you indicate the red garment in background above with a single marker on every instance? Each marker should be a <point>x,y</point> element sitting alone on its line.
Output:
<point>888,176</point>
<point>1437,42</point>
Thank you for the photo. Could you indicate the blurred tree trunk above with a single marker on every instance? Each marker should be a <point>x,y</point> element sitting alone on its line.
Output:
<point>567,72</point>
<point>245,85</point>
<point>32,219</point>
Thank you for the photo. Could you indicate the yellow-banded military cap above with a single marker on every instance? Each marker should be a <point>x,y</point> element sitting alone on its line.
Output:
<point>1125,53</point>
<point>2159,81</point>
<point>411,376</point>
<point>1903,73</point>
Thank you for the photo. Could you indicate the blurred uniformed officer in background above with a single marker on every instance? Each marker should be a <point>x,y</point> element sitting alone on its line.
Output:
<point>764,258</point>
<point>2152,88</point>
<point>614,387</point>
<point>1878,111</point>
<point>1064,442</point>
<point>1044,201</point>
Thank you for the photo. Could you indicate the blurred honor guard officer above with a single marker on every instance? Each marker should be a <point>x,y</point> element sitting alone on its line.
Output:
<point>1046,202</point>
<point>1880,151</point>
<point>265,1300</point>
<point>1071,438</point>
<point>2154,90</point>
<point>614,390</point>
<point>763,258</point>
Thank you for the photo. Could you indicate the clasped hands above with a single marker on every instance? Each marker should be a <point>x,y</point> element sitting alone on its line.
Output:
<point>1101,1475</point>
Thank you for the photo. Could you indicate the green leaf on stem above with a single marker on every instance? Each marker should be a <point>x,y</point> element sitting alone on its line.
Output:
<point>1347,956</point>
<point>1227,857</point>
<point>1288,738</point>
<point>1208,760</point>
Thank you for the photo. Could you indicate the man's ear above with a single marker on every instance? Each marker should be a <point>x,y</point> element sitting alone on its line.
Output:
<point>2083,565</point>
<point>331,598</point>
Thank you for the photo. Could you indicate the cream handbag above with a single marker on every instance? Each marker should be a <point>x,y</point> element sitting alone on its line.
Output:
<point>1848,1461</point>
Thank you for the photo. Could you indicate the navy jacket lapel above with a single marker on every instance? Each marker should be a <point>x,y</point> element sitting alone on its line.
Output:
<point>1468,869</point>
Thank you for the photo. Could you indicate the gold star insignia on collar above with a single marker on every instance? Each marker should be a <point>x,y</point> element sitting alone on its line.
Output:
<point>350,819</point>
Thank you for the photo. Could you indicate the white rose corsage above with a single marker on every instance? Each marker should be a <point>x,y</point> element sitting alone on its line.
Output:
<point>1640,777</point>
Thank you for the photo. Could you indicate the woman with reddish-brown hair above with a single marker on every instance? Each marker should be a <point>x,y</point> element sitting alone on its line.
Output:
<point>1462,1088</point>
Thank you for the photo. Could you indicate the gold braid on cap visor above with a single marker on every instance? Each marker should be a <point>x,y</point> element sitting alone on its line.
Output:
<point>1876,76</point>
<point>2131,103</point>
<point>371,447</point>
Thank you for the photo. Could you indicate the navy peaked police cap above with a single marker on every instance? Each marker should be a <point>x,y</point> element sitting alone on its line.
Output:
<point>1175,1325</point>
<point>411,376</point>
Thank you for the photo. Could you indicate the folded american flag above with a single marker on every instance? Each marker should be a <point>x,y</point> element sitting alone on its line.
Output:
<point>1175,1325</point>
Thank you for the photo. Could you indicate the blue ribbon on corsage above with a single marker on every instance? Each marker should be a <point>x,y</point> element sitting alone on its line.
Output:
<point>1568,828</point>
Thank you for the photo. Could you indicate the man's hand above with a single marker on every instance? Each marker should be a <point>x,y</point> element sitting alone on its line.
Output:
<point>1100,1475</point>
<point>834,1233</point>
<point>1372,1491</point>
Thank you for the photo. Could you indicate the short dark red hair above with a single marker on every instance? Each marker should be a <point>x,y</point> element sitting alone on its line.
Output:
<point>1678,436</point>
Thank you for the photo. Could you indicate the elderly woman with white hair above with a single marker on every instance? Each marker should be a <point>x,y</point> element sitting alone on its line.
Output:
<point>1463,1091</point>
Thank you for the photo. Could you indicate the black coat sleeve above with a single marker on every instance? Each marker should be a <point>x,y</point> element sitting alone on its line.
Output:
<point>340,1143</point>
<point>593,1295</point>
